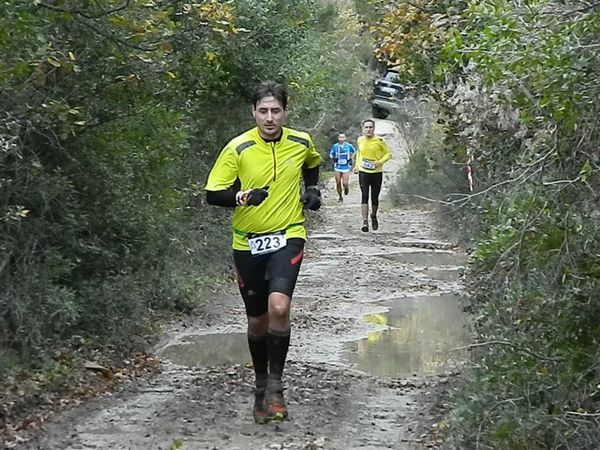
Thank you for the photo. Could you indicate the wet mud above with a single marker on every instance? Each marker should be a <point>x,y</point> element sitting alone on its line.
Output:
<point>376,317</point>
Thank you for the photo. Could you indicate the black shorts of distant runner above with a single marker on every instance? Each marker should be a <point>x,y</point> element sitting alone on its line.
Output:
<point>372,181</point>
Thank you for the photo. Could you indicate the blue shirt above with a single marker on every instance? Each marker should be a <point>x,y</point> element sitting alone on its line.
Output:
<point>343,154</point>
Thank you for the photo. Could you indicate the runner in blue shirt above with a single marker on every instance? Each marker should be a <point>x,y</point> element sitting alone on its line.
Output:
<point>342,154</point>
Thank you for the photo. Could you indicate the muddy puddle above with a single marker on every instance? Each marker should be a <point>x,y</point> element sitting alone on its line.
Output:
<point>414,336</point>
<point>209,350</point>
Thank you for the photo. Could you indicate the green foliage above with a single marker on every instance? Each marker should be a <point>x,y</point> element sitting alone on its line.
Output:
<point>515,84</point>
<point>113,113</point>
<point>534,250</point>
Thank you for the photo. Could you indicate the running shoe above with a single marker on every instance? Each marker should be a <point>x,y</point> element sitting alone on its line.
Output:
<point>260,407</point>
<point>375,222</point>
<point>365,226</point>
<point>277,409</point>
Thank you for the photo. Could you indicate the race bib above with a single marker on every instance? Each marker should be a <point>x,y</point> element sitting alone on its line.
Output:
<point>368,164</point>
<point>267,243</point>
<point>342,160</point>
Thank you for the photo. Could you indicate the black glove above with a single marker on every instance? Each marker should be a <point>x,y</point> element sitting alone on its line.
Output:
<point>251,197</point>
<point>256,196</point>
<point>312,198</point>
<point>335,160</point>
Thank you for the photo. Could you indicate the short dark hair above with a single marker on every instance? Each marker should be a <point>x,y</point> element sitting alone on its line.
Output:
<point>368,120</point>
<point>270,88</point>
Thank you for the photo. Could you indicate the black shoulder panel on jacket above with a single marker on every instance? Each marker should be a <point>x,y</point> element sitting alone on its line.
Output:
<point>299,140</point>
<point>243,146</point>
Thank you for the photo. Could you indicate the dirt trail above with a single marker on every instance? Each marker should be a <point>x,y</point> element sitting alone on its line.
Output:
<point>346,276</point>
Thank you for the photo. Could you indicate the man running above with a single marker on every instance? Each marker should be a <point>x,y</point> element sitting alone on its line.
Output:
<point>258,174</point>
<point>372,153</point>
<point>342,154</point>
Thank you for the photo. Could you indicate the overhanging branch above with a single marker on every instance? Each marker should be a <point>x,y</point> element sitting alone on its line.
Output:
<point>509,344</point>
<point>83,12</point>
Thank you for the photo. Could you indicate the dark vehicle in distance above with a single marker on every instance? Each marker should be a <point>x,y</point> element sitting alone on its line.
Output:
<point>387,93</point>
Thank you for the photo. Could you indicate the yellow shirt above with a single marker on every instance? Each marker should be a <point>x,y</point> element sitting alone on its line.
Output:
<point>371,150</point>
<point>257,164</point>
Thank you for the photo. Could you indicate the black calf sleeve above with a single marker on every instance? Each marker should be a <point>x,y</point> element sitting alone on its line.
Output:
<point>260,355</point>
<point>278,343</point>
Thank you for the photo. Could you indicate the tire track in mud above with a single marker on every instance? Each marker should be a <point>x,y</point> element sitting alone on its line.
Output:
<point>346,275</point>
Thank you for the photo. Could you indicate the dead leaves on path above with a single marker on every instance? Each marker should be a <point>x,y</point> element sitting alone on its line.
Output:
<point>27,401</point>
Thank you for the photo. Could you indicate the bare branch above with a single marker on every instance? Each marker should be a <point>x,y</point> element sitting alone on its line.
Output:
<point>418,7</point>
<point>585,9</point>
<point>467,197</point>
<point>116,39</point>
<point>550,183</point>
<point>575,413</point>
<point>5,261</point>
<point>83,12</point>
<point>509,344</point>
<point>489,412</point>
<point>319,122</point>
<point>428,199</point>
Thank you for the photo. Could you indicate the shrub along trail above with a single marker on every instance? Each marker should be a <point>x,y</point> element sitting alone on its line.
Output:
<point>195,402</point>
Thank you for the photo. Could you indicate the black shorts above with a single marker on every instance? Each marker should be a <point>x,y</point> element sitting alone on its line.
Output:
<point>258,276</point>
<point>373,181</point>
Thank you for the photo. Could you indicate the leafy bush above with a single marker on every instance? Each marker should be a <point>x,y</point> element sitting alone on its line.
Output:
<point>514,82</point>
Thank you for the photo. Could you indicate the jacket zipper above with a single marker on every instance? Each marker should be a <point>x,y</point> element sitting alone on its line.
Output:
<point>274,161</point>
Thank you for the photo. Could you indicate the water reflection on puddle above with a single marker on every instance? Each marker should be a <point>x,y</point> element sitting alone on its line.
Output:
<point>422,332</point>
<point>210,350</point>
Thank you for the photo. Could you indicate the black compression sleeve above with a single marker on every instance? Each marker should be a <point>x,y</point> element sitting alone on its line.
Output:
<point>226,197</point>
<point>311,176</point>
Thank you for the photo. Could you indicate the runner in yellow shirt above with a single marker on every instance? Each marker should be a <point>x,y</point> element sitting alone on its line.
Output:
<point>372,153</point>
<point>258,173</point>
